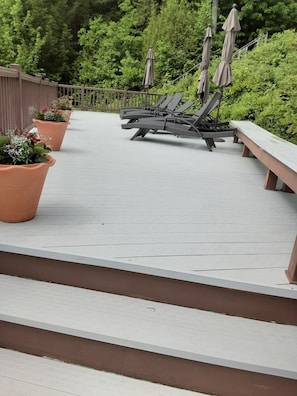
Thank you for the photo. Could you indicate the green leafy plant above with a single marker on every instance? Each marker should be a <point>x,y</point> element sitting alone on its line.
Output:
<point>22,148</point>
<point>47,114</point>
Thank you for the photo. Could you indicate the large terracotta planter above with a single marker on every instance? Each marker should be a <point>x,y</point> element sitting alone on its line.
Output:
<point>20,190</point>
<point>51,133</point>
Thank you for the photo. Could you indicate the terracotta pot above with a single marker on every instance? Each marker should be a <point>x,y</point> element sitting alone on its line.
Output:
<point>21,187</point>
<point>51,133</point>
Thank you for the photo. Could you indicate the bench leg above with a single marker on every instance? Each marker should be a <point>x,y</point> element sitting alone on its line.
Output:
<point>287,189</point>
<point>245,151</point>
<point>292,269</point>
<point>270,180</point>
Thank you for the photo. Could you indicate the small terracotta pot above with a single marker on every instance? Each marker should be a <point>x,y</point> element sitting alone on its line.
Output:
<point>51,133</point>
<point>21,187</point>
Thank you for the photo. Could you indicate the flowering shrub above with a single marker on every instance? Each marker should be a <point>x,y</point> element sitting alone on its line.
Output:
<point>48,114</point>
<point>22,148</point>
<point>62,103</point>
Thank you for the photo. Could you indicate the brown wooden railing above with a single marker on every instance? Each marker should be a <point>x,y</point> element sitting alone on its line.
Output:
<point>105,99</point>
<point>20,91</point>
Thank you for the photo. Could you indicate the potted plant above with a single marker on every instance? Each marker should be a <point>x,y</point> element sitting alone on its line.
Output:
<point>51,125</point>
<point>64,105</point>
<point>24,162</point>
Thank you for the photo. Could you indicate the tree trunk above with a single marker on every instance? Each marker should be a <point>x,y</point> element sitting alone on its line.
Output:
<point>215,5</point>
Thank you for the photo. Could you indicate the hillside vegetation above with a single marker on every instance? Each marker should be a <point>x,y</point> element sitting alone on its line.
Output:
<point>264,88</point>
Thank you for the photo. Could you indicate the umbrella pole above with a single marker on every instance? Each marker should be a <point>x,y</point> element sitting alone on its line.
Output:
<point>218,109</point>
<point>217,117</point>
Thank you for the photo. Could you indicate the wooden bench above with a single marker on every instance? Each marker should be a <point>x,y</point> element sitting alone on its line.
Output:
<point>280,159</point>
<point>278,155</point>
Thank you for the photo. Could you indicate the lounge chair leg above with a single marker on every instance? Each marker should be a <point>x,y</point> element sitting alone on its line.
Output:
<point>210,143</point>
<point>140,132</point>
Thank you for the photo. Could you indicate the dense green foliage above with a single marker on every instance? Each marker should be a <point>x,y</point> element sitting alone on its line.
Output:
<point>72,40</point>
<point>104,43</point>
<point>41,35</point>
<point>113,53</point>
<point>269,16</point>
<point>264,88</point>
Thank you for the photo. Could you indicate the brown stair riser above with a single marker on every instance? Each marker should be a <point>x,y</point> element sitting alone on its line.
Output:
<point>164,369</point>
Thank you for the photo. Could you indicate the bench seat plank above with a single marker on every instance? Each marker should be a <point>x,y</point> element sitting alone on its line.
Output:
<point>277,154</point>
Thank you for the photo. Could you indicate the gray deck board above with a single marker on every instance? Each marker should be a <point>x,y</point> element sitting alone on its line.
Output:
<point>26,375</point>
<point>161,202</point>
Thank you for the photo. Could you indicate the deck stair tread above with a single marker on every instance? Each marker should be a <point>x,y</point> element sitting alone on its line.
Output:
<point>186,333</point>
<point>26,375</point>
<point>189,269</point>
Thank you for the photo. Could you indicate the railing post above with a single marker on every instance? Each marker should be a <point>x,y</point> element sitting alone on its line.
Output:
<point>82,97</point>
<point>19,107</point>
<point>46,80</point>
<point>125,97</point>
<point>39,77</point>
<point>292,269</point>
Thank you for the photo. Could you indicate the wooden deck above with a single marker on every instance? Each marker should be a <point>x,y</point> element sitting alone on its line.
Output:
<point>162,203</point>
<point>164,220</point>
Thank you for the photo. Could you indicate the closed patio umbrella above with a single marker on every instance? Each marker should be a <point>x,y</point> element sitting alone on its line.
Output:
<point>203,85</point>
<point>148,78</point>
<point>223,75</point>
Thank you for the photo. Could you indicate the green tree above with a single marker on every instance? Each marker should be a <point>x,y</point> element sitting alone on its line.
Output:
<point>268,16</point>
<point>49,19</point>
<point>21,43</point>
<point>256,17</point>
<point>34,34</point>
<point>7,47</point>
<point>110,51</point>
<point>176,35</point>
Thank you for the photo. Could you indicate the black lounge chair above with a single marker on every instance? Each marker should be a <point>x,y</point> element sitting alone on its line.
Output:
<point>204,111</point>
<point>207,108</point>
<point>162,110</point>
<point>180,111</point>
<point>162,99</point>
<point>161,106</point>
<point>198,125</point>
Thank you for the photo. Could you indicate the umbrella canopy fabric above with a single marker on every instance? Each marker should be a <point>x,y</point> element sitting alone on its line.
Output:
<point>148,78</point>
<point>223,74</point>
<point>203,85</point>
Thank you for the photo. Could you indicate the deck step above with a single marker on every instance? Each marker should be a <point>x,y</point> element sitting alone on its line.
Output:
<point>26,375</point>
<point>181,347</point>
<point>171,286</point>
